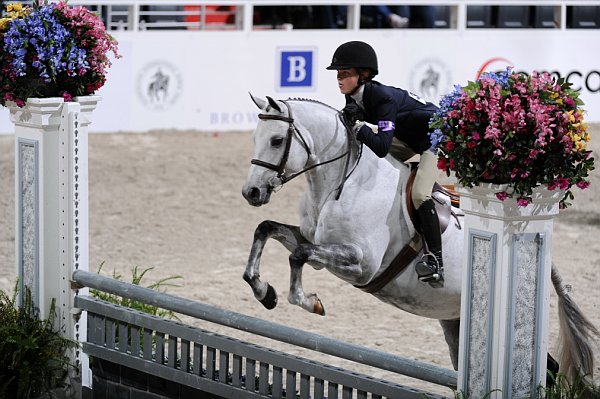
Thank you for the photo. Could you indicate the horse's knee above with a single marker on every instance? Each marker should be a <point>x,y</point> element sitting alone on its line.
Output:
<point>300,255</point>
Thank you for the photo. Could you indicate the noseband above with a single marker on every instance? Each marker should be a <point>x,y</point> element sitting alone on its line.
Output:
<point>277,181</point>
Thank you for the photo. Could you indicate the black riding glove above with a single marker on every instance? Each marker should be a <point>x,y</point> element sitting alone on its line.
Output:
<point>352,113</point>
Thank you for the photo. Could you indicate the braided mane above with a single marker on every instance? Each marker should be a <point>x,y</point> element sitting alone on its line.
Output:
<point>312,101</point>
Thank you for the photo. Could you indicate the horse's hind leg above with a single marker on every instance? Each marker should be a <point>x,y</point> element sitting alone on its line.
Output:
<point>341,260</point>
<point>451,333</point>
<point>287,235</point>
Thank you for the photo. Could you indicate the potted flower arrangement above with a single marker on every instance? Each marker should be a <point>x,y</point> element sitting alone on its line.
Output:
<point>515,129</point>
<point>52,50</point>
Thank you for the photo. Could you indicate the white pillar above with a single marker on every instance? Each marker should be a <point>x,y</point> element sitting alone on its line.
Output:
<point>505,292</point>
<point>51,201</point>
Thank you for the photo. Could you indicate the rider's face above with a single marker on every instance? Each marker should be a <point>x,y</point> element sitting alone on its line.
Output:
<point>347,80</point>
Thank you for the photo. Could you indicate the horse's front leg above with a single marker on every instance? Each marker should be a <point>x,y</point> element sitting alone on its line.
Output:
<point>341,260</point>
<point>287,235</point>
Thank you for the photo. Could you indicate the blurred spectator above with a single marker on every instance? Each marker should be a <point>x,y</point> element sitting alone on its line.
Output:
<point>301,17</point>
<point>397,17</point>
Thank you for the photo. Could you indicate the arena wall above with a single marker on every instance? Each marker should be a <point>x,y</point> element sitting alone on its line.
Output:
<point>193,79</point>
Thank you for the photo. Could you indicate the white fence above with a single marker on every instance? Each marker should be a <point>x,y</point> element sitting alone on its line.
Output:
<point>197,75</point>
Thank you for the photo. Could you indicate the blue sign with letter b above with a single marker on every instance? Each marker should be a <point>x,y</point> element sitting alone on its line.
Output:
<point>296,69</point>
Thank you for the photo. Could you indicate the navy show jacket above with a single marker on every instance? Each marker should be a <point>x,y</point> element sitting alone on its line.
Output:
<point>396,112</point>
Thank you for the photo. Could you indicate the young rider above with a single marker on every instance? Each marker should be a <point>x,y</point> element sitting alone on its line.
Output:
<point>401,128</point>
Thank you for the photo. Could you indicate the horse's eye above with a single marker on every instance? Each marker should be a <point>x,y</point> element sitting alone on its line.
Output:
<point>276,141</point>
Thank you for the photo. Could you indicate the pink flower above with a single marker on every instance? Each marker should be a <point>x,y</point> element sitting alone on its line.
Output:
<point>67,97</point>
<point>564,183</point>
<point>522,202</point>
<point>583,184</point>
<point>502,195</point>
<point>533,153</point>
<point>441,164</point>
<point>569,101</point>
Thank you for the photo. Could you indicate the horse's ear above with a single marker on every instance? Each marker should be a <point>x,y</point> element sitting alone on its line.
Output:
<point>274,104</point>
<point>260,103</point>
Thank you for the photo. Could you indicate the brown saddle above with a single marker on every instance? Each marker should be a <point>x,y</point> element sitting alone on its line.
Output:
<point>410,250</point>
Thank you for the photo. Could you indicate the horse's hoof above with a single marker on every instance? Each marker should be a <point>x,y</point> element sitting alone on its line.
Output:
<point>270,300</point>
<point>319,308</point>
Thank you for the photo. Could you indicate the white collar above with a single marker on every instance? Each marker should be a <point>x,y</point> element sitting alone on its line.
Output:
<point>358,96</point>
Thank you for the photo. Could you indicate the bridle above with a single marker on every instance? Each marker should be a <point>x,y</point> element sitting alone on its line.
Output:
<point>276,182</point>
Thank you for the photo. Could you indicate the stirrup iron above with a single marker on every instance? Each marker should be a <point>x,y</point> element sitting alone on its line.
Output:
<point>430,272</point>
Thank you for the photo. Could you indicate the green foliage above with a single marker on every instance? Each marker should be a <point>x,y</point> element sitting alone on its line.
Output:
<point>33,356</point>
<point>581,388</point>
<point>136,278</point>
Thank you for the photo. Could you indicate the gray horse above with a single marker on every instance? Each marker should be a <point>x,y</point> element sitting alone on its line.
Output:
<point>355,220</point>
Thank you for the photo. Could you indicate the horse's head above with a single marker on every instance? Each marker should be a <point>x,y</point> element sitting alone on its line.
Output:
<point>279,151</point>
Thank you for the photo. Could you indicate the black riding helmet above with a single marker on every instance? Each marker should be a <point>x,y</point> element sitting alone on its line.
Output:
<point>354,54</point>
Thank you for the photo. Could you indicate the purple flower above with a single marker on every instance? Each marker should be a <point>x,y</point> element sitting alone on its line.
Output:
<point>46,41</point>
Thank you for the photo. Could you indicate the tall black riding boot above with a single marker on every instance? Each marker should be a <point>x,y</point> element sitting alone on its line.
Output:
<point>430,268</point>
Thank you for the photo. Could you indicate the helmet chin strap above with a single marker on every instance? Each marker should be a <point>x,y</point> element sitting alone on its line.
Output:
<point>361,81</point>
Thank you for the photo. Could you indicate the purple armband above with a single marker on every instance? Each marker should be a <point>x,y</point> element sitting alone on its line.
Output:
<point>386,126</point>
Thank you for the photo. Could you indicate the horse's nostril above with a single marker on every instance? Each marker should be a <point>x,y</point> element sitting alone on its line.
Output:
<point>254,193</point>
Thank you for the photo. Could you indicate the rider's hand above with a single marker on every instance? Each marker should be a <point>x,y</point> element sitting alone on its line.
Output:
<point>359,124</point>
<point>352,112</point>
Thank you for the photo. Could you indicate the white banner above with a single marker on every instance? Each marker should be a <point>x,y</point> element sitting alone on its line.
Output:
<point>200,80</point>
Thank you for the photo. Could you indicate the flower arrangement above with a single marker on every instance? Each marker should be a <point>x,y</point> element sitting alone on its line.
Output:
<point>52,50</point>
<point>513,128</point>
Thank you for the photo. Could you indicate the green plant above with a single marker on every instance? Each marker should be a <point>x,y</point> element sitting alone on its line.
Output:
<point>33,355</point>
<point>581,387</point>
<point>136,279</point>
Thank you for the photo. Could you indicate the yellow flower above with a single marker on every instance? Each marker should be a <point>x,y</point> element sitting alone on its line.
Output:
<point>14,7</point>
<point>579,146</point>
<point>4,23</point>
<point>586,136</point>
<point>559,101</point>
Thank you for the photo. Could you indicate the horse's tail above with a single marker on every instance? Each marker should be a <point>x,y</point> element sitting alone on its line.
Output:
<point>576,335</point>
